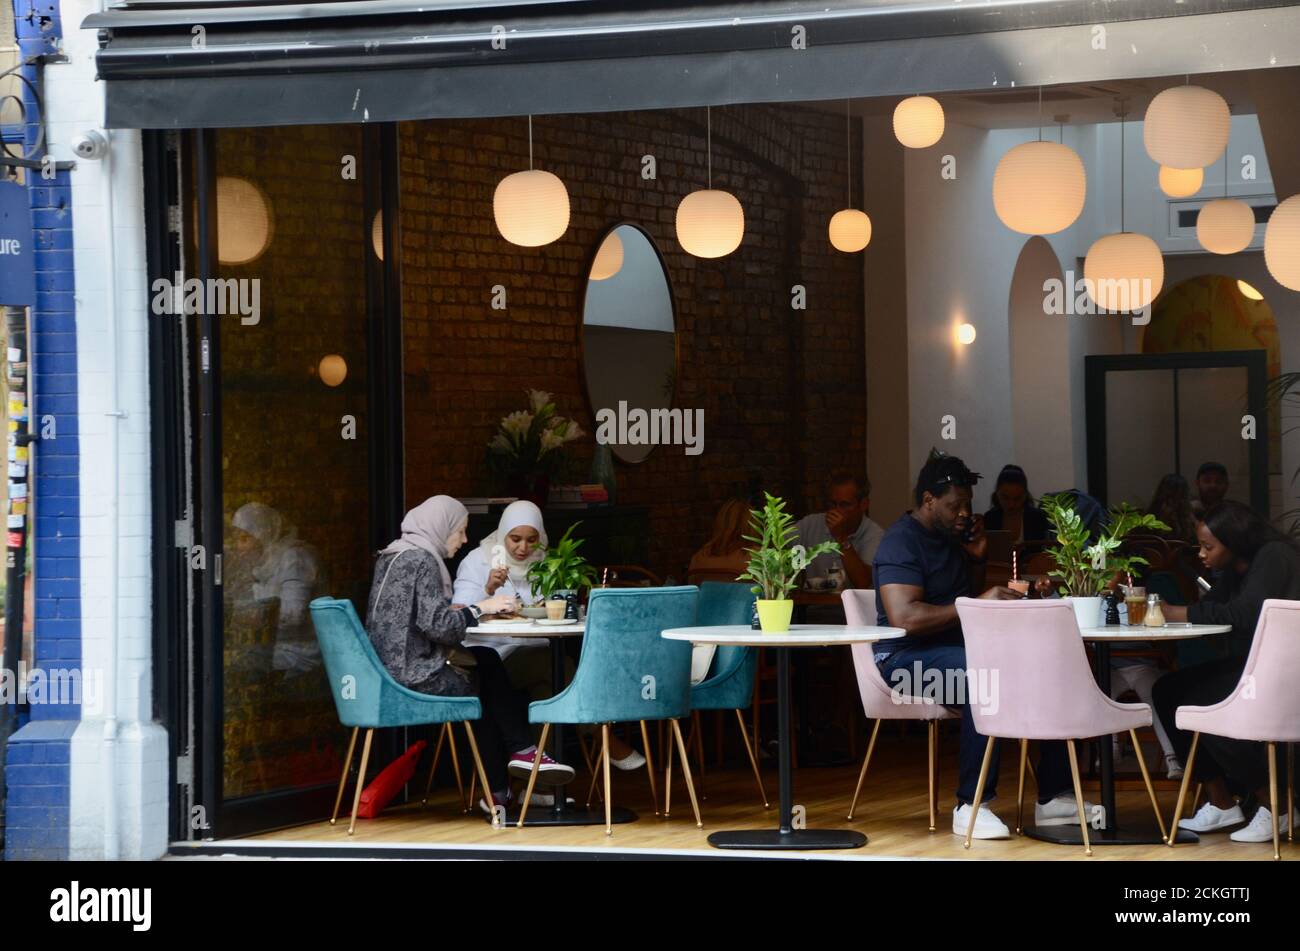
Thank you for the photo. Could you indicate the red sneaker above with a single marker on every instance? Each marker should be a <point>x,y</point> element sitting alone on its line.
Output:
<point>549,772</point>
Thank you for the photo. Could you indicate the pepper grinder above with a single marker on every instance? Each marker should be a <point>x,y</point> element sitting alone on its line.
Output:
<point>1112,608</point>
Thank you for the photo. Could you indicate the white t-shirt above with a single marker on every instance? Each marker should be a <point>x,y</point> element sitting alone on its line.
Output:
<point>469,588</point>
<point>813,531</point>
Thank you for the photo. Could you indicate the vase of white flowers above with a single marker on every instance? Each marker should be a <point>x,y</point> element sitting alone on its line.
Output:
<point>527,448</point>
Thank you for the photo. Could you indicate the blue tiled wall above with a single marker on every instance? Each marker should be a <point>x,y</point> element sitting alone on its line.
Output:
<point>37,766</point>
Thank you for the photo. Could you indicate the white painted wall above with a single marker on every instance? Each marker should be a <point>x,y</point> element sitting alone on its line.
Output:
<point>961,261</point>
<point>112,348</point>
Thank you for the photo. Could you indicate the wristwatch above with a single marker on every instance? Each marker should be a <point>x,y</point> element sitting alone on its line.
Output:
<point>475,610</point>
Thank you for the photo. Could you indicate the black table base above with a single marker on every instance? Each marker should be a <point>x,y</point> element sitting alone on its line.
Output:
<point>786,837</point>
<point>794,839</point>
<point>1131,835</point>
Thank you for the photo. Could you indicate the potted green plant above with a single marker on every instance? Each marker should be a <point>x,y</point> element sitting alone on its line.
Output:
<point>527,449</point>
<point>775,564</point>
<point>1086,568</point>
<point>561,569</point>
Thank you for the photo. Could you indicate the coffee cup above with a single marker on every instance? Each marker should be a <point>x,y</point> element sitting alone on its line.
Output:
<point>555,609</point>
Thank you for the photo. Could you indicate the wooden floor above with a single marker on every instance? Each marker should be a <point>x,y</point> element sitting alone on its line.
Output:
<point>892,813</point>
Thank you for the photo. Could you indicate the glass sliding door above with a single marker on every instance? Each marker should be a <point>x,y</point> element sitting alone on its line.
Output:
<point>288,456</point>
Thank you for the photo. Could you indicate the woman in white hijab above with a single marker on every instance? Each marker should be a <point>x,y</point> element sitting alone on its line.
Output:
<point>499,565</point>
<point>418,633</point>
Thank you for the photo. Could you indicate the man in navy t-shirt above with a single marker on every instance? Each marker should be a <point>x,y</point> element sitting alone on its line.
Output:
<point>920,570</point>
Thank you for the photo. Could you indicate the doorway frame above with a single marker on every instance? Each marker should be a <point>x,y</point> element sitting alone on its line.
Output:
<point>1253,361</point>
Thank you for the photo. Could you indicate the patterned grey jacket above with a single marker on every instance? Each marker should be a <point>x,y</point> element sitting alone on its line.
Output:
<point>412,625</point>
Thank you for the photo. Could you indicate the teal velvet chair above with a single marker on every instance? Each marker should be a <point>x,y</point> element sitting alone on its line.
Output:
<point>730,684</point>
<point>367,697</point>
<point>621,651</point>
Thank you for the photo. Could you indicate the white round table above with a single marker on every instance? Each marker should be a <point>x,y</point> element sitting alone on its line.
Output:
<point>799,635</point>
<point>1102,638</point>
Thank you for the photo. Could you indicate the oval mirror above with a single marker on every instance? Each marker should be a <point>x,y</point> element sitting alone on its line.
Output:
<point>629,342</point>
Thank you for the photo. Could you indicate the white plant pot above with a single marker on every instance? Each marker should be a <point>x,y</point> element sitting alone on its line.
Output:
<point>1087,611</point>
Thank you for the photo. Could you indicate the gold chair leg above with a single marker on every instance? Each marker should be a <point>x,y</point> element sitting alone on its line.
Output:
<point>1196,797</point>
<point>361,780</point>
<point>1151,790</point>
<point>1078,796</point>
<point>668,775</point>
<point>433,768</point>
<point>1182,790</point>
<point>482,776</point>
<point>697,731</point>
<point>465,800</point>
<point>649,766</point>
<point>862,773</point>
<point>753,761</point>
<point>1290,792</point>
<point>595,773</point>
<point>932,761</point>
<point>609,805</point>
<point>1272,797</point>
<point>686,771</point>
<point>1020,792</point>
<point>1033,773</point>
<point>532,776</point>
<point>343,780</point>
<point>979,789</point>
<point>586,753</point>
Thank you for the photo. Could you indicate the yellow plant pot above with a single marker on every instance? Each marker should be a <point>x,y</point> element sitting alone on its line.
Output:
<point>774,616</point>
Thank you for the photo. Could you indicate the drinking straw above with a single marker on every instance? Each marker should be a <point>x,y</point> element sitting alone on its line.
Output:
<point>1014,572</point>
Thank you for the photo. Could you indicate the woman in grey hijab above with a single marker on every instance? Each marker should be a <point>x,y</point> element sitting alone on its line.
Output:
<point>417,632</point>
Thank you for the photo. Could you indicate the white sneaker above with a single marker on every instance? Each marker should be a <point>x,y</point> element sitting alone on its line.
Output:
<point>1210,818</point>
<point>633,760</point>
<point>1061,811</point>
<point>1173,768</point>
<point>987,825</point>
<point>1260,828</point>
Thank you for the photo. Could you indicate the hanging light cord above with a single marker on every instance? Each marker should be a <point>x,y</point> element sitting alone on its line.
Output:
<point>708,113</point>
<point>1040,113</point>
<point>1121,167</point>
<point>848,157</point>
<point>530,142</point>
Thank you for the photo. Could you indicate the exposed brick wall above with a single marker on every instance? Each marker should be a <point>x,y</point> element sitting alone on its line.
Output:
<point>782,390</point>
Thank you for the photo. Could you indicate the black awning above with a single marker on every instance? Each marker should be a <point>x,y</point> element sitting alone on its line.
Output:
<point>188,64</point>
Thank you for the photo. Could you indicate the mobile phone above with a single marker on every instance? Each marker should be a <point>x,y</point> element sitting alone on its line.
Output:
<point>1205,585</point>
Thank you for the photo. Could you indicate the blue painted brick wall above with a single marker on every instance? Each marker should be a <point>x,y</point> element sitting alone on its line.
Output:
<point>37,765</point>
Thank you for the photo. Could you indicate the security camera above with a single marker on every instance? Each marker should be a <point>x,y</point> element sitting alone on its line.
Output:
<point>92,145</point>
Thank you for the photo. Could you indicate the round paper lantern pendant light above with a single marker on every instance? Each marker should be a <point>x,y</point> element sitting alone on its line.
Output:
<point>1186,127</point>
<point>1181,182</point>
<point>531,208</point>
<point>377,234</point>
<point>918,122</point>
<point>1225,226</point>
<point>710,222</point>
<point>333,369</point>
<point>244,222</point>
<point>1248,291</point>
<point>1039,188</point>
<point>1124,272</point>
<point>849,229</point>
<point>609,259</point>
<point>1282,243</point>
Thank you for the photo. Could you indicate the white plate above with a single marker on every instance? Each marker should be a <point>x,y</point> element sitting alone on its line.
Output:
<point>547,621</point>
<point>502,620</point>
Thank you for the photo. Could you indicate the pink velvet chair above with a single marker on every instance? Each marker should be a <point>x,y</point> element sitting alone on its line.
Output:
<point>1033,682</point>
<point>878,699</point>
<point>1264,707</point>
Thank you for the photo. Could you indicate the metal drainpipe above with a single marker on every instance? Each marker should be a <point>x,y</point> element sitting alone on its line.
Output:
<point>111,843</point>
